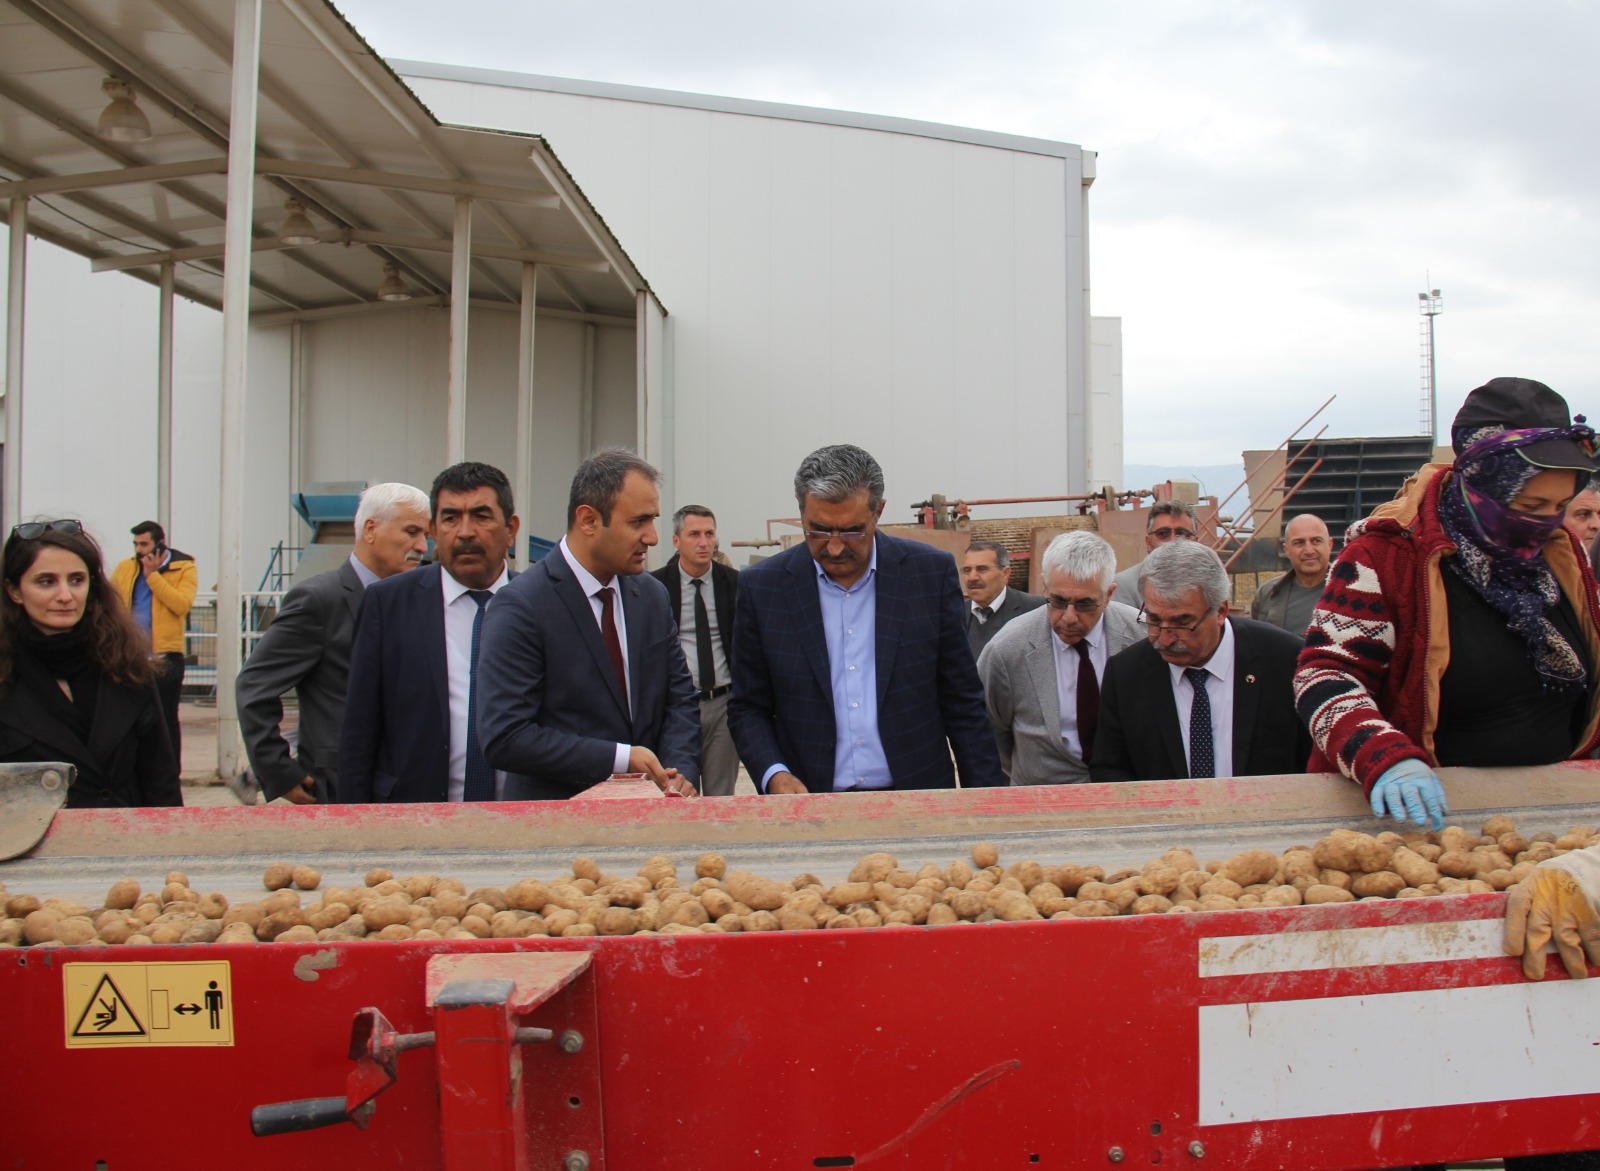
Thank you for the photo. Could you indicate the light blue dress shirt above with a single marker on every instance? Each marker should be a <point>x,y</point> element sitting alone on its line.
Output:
<point>849,623</point>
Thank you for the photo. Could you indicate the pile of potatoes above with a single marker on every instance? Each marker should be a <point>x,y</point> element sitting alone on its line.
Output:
<point>1343,867</point>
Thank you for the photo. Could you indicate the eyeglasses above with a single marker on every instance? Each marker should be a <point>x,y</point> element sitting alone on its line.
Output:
<point>1084,606</point>
<point>1170,534</point>
<point>1155,629</point>
<point>850,538</point>
<point>33,530</point>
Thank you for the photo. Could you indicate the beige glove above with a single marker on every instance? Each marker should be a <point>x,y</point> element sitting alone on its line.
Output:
<point>1560,899</point>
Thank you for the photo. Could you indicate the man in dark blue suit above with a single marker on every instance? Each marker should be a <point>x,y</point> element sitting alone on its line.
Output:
<point>409,732</point>
<point>851,665</point>
<point>582,672</point>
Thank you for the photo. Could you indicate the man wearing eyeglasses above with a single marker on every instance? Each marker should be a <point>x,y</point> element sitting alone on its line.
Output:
<point>1041,674</point>
<point>851,668</point>
<point>1169,520</point>
<point>1206,694</point>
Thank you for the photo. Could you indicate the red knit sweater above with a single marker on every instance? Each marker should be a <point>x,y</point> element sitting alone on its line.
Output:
<point>1379,642</point>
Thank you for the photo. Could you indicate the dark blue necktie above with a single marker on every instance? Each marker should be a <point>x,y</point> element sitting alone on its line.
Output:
<point>1202,745</point>
<point>479,784</point>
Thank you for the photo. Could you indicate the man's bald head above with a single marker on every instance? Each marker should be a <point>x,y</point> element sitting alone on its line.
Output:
<point>1309,548</point>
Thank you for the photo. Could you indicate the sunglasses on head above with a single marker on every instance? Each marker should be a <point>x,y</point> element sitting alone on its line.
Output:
<point>33,530</point>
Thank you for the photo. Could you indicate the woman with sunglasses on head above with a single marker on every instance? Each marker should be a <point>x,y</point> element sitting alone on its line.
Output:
<point>76,680</point>
<point>1460,626</point>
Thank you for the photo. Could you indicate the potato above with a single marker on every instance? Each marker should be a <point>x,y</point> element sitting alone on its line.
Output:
<point>1413,867</point>
<point>1027,873</point>
<point>237,933</point>
<point>1575,838</point>
<point>278,922</point>
<point>984,855</point>
<point>1092,909</point>
<point>658,869</point>
<point>1512,843</point>
<point>1497,825</point>
<point>1383,884</point>
<point>210,931</point>
<point>21,906</point>
<point>74,931</point>
<point>556,921</point>
<point>40,925</point>
<point>1282,896</point>
<point>1151,905</point>
<point>1158,878</point>
<point>1219,885</point>
<point>1336,878</point>
<point>1457,864</point>
<point>527,895</point>
<point>755,892</point>
<point>280,875</point>
<point>1250,867</point>
<point>114,931</point>
<point>213,905</point>
<point>958,874</point>
<point>123,894</point>
<point>1014,907</point>
<point>385,912</point>
<point>1349,851</point>
<point>306,878</point>
<point>717,903</point>
<point>1453,837</point>
<point>395,931</point>
<point>1180,859</point>
<point>378,875</point>
<point>1324,893</point>
<point>177,892</point>
<point>328,915</point>
<point>177,878</point>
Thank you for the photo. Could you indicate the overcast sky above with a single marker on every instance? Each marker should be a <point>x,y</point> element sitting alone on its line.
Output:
<point>1277,180</point>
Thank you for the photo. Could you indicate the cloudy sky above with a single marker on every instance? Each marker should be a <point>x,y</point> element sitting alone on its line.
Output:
<point>1277,180</point>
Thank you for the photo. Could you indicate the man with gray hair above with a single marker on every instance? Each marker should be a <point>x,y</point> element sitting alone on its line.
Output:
<point>1206,695</point>
<point>1041,674</point>
<point>851,668</point>
<point>985,566</point>
<point>1168,520</point>
<point>307,649</point>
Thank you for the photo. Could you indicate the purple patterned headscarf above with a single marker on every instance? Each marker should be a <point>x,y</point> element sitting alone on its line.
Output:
<point>1500,550</point>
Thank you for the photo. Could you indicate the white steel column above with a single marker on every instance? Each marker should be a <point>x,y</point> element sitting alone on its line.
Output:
<point>460,307</point>
<point>522,477</point>
<point>164,404</point>
<point>16,302</point>
<point>641,374</point>
<point>235,367</point>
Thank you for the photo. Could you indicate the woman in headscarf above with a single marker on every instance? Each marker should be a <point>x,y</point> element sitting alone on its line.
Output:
<point>1460,624</point>
<point>76,678</point>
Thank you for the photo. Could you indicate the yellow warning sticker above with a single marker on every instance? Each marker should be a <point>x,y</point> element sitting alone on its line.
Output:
<point>110,1005</point>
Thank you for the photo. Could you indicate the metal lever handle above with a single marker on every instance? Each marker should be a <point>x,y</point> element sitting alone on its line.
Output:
<point>305,1114</point>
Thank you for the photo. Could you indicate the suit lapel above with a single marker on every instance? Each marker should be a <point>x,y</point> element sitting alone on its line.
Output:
<point>24,712</point>
<point>581,612</point>
<point>1159,685</point>
<point>1245,696</point>
<point>807,611</point>
<point>430,591</point>
<point>1042,672</point>
<point>352,590</point>
<point>673,580</point>
<point>633,618</point>
<point>888,610</point>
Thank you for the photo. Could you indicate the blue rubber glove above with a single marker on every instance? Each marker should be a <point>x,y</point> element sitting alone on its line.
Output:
<point>1405,790</point>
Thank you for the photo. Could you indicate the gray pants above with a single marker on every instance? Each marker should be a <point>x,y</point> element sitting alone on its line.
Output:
<point>719,761</point>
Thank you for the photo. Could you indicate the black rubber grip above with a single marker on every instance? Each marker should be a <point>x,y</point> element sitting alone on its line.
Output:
<point>306,1114</point>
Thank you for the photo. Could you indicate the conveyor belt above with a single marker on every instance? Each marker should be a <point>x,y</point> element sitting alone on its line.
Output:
<point>492,845</point>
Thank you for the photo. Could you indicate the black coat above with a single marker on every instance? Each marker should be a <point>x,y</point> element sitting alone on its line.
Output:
<point>1138,738</point>
<point>128,760</point>
<point>724,595</point>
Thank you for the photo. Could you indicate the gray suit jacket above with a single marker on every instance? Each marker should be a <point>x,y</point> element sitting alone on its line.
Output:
<point>307,649</point>
<point>1019,682</point>
<point>981,634</point>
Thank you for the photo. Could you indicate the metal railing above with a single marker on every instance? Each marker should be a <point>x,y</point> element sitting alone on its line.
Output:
<point>256,611</point>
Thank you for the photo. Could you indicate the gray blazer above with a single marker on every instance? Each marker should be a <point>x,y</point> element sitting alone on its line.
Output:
<point>307,649</point>
<point>1019,682</point>
<point>981,634</point>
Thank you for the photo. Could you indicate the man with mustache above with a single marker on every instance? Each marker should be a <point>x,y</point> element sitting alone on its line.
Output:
<point>1206,694</point>
<point>307,649</point>
<point>410,727</point>
<point>851,667</point>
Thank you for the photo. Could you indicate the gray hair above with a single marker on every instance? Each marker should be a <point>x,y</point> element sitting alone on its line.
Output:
<point>687,511</point>
<point>1177,567</point>
<point>598,481</point>
<point>1170,508</point>
<point>836,473</point>
<point>1002,555</point>
<point>380,502</point>
<point>1082,556</point>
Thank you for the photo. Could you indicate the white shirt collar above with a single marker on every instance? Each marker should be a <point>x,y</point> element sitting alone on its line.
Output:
<point>590,583</point>
<point>453,589</point>
<point>1220,663</point>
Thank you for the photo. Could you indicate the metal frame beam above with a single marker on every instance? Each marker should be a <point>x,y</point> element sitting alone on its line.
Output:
<point>353,236</point>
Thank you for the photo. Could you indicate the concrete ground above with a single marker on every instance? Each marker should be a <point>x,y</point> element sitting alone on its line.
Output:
<point>202,786</point>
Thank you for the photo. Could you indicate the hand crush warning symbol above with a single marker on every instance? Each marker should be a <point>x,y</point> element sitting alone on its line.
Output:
<point>108,1014</point>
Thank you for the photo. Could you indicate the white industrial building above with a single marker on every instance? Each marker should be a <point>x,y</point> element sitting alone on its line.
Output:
<point>721,284</point>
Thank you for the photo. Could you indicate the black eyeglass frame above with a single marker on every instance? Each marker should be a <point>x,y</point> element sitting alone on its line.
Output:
<point>1154,628</point>
<point>34,529</point>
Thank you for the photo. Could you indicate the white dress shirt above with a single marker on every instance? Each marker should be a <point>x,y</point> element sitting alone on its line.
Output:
<point>1219,690</point>
<point>592,586</point>
<point>1067,680</point>
<point>688,635</point>
<point>459,612</point>
<point>994,607</point>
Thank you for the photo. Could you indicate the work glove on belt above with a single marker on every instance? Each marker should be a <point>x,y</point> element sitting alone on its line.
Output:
<point>1560,900</point>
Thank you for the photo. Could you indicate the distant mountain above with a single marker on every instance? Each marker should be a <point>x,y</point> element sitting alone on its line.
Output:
<point>1215,479</point>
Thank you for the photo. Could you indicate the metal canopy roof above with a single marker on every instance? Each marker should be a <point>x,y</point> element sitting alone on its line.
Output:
<point>336,130</point>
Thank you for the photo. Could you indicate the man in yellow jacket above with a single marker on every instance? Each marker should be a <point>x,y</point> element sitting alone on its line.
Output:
<point>158,584</point>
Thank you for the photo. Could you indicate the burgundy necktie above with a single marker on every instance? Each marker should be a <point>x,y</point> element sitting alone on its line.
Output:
<point>1088,698</point>
<point>608,629</point>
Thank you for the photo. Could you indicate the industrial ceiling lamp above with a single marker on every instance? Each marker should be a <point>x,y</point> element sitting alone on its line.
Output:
<point>297,226</point>
<point>122,120</point>
<point>393,288</point>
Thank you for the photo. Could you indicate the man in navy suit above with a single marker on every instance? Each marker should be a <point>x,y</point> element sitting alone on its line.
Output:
<point>582,672</point>
<point>851,666</point>
<point>409,732</point>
